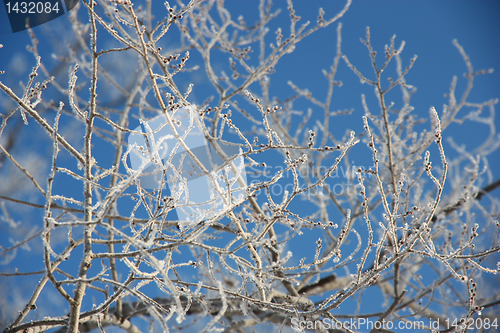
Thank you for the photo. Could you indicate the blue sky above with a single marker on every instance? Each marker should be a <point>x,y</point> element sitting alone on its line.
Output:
<point>427,27</point>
